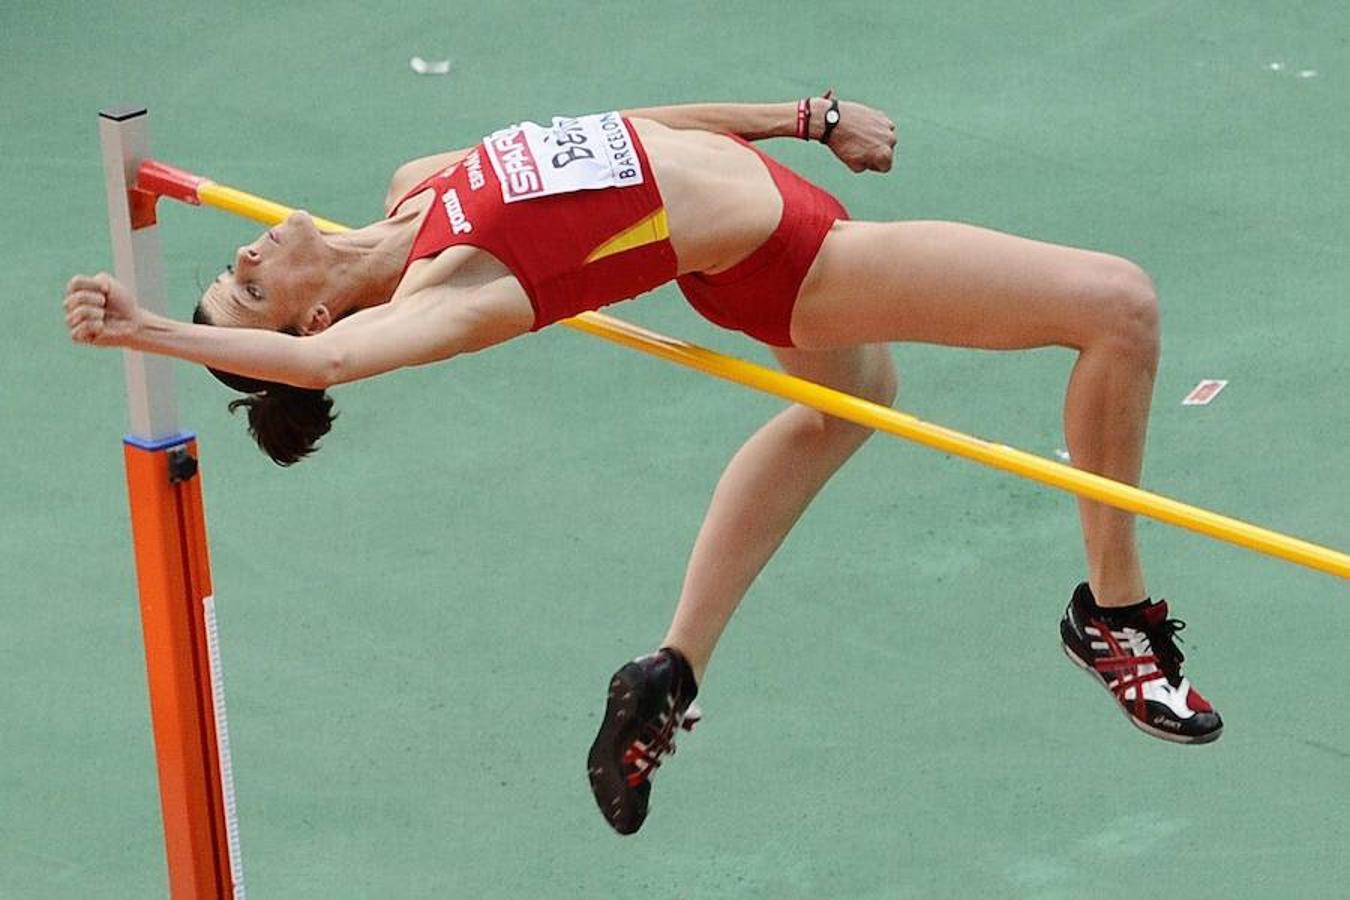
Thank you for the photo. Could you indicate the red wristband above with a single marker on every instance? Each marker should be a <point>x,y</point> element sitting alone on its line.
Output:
<point>804,118</point>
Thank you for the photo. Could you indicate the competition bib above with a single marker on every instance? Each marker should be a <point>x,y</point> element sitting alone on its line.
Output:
<point>581,154</point>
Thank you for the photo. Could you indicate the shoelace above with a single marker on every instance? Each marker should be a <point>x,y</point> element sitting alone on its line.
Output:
<point>1163,639</point>
<point>1124,663</point>
<point>1164,656</point>
<point>644,757</point>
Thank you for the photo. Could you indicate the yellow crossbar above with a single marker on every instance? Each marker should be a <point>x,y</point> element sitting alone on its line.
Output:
<point>253,207</point>
<point>883,418</point>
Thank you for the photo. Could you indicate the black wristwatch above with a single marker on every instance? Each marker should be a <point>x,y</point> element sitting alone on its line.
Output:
<point>831,120</point>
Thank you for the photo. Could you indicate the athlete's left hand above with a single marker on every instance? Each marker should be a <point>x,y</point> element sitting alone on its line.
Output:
<point>864,139</point>
<point>100,310</point>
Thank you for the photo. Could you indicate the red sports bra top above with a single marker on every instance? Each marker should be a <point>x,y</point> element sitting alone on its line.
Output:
<point>571,209</point>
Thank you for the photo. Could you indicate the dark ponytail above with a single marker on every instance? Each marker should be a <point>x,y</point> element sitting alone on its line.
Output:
<point>286,421</point>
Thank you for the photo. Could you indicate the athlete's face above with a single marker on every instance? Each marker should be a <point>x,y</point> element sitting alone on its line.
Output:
<point>276,282</point>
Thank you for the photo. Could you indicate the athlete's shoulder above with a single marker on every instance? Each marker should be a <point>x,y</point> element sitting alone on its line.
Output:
<point>415,173</point>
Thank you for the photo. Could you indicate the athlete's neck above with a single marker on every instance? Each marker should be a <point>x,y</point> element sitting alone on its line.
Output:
<point>366,264</point>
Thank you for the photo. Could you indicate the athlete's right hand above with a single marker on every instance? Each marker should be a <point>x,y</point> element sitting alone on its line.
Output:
<point>100,310</point>
<point>864,139</point>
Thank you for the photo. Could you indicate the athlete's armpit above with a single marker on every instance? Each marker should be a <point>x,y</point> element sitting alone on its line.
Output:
<point>424,327</point>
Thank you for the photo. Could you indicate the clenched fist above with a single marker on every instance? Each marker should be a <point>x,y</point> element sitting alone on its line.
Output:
<point>100,311</point>
<point>864,139</point>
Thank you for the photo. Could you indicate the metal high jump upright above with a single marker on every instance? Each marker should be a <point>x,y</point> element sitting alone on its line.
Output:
<point>173,569</point>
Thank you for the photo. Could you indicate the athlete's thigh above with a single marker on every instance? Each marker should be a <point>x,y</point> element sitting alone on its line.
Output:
<point>949,283</point>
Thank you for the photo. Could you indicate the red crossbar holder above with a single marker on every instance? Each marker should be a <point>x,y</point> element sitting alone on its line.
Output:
<point>155,179</point>
<point>164,180</point>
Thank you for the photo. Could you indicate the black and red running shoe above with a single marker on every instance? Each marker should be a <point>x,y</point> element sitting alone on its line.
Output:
<point>1134,656</point>
<point>650,698</point>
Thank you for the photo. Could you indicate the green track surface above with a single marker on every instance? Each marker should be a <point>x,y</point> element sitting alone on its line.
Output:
<point>418,624</point>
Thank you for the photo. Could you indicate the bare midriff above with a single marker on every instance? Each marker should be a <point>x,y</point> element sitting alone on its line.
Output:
<point>720,199</point>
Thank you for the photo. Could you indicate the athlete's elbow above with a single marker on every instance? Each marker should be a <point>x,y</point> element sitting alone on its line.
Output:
<point>324,369</point>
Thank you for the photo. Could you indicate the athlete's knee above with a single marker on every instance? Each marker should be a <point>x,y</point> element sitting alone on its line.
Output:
<point>1127,306</point>
<point>882,382</point>
<point>877,382</point>
<point>833,437</point>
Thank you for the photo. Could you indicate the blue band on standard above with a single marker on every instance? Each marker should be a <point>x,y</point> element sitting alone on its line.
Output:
<point>163,443</point>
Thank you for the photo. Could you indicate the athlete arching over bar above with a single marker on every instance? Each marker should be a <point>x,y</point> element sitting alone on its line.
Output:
<point>536,224</point>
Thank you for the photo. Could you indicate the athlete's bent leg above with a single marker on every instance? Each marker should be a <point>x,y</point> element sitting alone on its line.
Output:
<point>766,487</point>
<point>763,491</point>
<point>953,284</point>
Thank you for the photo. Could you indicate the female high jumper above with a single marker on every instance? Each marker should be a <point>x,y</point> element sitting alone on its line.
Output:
<point>538,223</point>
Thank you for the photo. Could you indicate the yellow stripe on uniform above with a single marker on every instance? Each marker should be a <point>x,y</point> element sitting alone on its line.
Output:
<point>647,231</point>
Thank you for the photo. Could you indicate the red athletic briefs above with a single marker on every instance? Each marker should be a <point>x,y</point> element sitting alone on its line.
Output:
<point>757,294</point>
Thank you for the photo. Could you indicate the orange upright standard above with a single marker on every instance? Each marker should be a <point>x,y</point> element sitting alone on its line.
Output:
<point>173,569</point>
